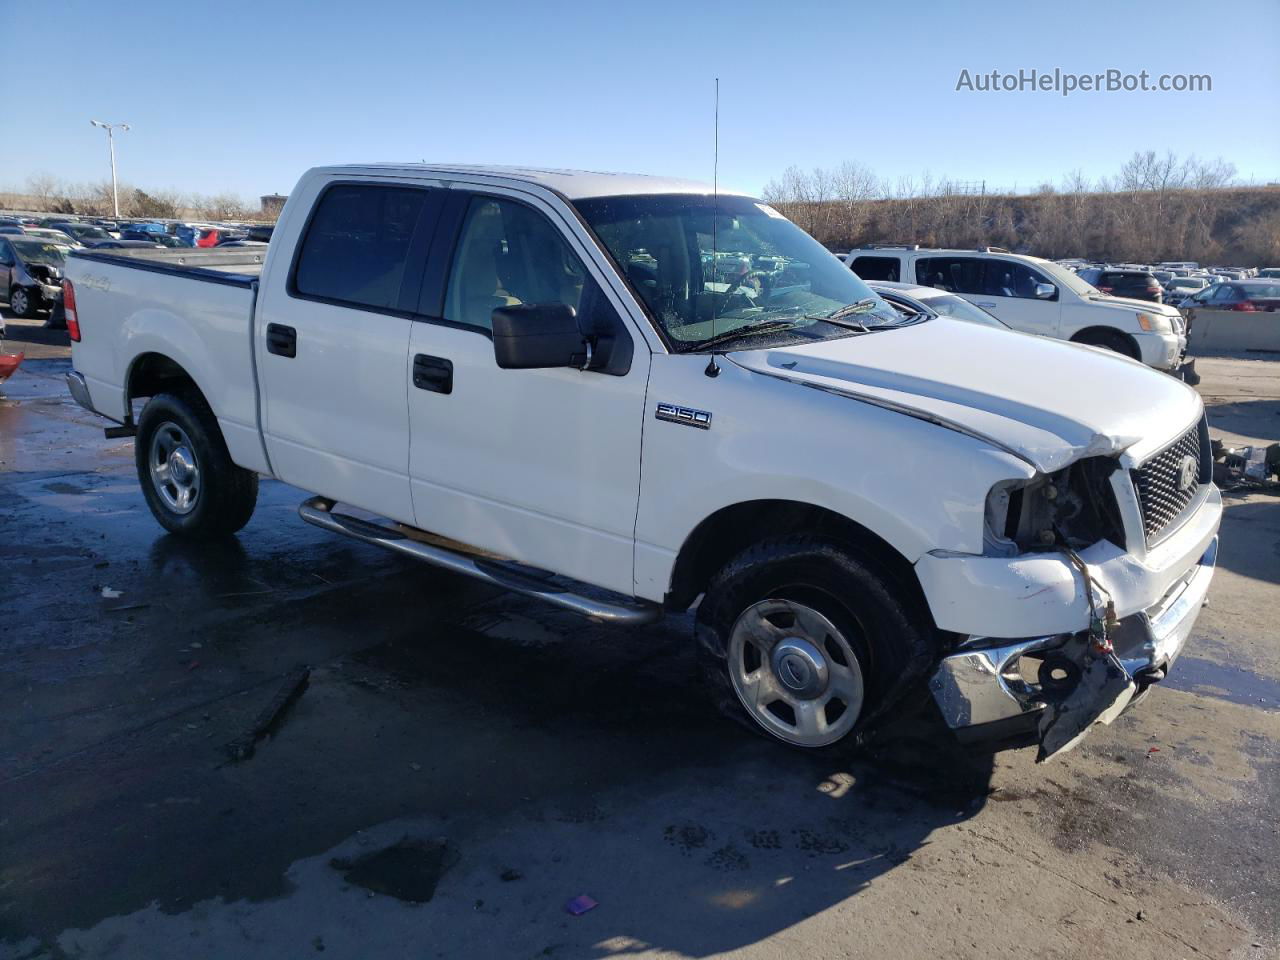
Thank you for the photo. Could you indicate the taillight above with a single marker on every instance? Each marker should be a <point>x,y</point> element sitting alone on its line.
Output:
<point>69,308</point>
<point>1246,306</point>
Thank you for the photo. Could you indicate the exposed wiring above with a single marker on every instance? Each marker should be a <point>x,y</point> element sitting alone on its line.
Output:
<point>1099,628</point>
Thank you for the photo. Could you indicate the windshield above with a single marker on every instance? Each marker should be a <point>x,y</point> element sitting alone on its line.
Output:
<point>1189,283</point>
<point>37,251</point>
<point>86,232</point>
<point>949,305</point>
<point>707,267</point>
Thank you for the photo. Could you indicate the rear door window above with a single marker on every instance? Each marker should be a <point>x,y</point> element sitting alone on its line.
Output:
<point>877,268</point>
<point>357,247</point>
<point>953,274</point>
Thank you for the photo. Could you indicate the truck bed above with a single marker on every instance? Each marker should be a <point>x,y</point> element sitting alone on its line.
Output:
<point>188,307</point>
<point>239,266</point>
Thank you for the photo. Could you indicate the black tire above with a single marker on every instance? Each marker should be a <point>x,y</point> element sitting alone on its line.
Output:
<point>22,302</point>
<point>891,637</point>
<point>1111,340</point>
<point>227,494</point>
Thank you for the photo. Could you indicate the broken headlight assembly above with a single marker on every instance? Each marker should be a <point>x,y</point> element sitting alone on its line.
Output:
<point>1073,507</point>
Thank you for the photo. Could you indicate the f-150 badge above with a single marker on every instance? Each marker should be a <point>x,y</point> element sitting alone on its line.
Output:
<point>686,415</point>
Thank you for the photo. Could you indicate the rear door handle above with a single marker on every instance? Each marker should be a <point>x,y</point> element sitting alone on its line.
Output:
<point>282,340</point>
<point>432,373</point>
<point>982,303</point>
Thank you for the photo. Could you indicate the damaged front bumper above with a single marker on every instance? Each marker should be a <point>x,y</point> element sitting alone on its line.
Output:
<point>996,688</point>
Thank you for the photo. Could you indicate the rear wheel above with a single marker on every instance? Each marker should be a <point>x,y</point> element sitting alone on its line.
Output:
<point>188,479</point>
<point>21,302</point>
<point>803,639</point>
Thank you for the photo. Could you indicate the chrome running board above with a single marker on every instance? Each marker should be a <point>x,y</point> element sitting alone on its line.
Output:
<point>504,574</point>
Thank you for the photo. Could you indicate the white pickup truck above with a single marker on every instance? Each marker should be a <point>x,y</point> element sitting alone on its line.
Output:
<point>628,394</point>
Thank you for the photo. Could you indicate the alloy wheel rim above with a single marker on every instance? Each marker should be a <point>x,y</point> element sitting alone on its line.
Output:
<point>175,472</point>
<point>795,672</point>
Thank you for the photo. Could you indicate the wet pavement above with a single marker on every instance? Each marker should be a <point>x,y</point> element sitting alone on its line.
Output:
<point>462,763</point>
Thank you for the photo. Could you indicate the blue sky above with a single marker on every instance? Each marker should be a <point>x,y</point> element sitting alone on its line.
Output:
<point>242,97</point>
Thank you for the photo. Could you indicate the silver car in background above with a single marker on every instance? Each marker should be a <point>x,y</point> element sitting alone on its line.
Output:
<point>916,299</point>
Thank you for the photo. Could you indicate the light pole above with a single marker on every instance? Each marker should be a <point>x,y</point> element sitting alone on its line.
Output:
<point>111,146</point>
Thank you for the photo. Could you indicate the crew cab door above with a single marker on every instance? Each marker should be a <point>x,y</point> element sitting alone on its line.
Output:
<point>1005,288</point>
<point>542,466</point>
<point>331,345</point>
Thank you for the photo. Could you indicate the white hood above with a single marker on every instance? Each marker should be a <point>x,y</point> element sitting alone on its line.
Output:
<point>1129,305</point>
<point>1047,401</point>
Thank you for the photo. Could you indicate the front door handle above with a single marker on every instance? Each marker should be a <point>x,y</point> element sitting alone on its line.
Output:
<point>432,373</point>
<point>282,340</point>
<point>984,303</point>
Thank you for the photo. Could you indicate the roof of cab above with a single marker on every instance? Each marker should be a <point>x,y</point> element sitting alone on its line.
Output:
<point>573,184</point>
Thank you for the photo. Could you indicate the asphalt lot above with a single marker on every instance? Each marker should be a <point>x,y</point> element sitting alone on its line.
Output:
<point>529,757</point>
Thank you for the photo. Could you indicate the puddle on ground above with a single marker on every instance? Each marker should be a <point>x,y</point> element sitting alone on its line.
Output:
<point>1235,684</point>
<point>407,870</point>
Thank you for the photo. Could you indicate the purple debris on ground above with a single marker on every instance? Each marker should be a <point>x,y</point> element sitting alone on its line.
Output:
<point>580,905</point>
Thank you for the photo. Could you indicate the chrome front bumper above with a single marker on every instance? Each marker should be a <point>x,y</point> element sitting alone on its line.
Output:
<point>981,684</point>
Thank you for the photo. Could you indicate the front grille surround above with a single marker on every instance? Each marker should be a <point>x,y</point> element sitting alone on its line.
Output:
<point>1162,497</point>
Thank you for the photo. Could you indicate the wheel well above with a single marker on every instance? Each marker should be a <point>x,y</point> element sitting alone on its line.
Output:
<point>1099,336</point>
<point>730,530</point>
<point>153,373</point>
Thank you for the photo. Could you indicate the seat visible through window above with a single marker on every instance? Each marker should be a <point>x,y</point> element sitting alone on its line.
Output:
<point>509,254</point>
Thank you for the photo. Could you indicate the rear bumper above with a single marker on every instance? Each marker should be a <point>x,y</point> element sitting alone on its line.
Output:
<point>80,390</point>
<point>981,689</point>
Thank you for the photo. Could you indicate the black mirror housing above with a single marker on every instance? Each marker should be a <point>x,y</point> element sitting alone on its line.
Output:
<point>532,336</point>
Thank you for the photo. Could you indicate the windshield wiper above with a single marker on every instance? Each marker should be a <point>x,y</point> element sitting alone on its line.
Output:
<point>763,326</point>
<point>862,306</point>
<point>837,317</point>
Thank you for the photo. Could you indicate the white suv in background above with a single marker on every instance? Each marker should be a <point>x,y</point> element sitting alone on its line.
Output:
<point>1035,296</point>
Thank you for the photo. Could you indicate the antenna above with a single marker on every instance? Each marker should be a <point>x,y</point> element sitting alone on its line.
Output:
<point>713,369</point>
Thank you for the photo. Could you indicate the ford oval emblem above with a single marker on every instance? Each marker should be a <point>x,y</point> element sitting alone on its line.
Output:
<point>1188,470</point>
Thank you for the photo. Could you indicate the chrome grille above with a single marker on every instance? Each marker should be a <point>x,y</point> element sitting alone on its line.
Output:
<point>1160,482</point>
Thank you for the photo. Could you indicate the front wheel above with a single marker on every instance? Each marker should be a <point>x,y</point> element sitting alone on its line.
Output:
<point>805,640</point>
<point>1111,340</point>
<point>188,478</point>
<point>22,303</point>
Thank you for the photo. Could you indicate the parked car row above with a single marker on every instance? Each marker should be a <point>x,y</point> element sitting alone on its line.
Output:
<point>1171,282</point>
<point>167,233</point>
<point>33,250</point>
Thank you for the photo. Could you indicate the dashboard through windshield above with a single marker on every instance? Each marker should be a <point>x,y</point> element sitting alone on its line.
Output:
<point>709,267</point>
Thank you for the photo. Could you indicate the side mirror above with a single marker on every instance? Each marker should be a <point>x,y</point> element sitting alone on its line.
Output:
<point>532,336</point>
<point>1046,291</point>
